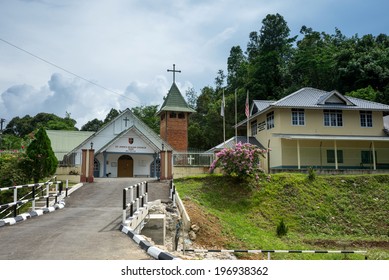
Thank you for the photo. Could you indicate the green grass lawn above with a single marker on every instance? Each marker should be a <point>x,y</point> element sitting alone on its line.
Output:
<point>327,213</point>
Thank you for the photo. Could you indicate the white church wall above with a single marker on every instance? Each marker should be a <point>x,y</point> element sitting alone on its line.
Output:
<point>112,165</point>
<point>142,165</point>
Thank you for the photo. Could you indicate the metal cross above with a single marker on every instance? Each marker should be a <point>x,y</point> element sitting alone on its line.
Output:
<point>174,72</point>
<point>190,159</point>
<point>125,121</point>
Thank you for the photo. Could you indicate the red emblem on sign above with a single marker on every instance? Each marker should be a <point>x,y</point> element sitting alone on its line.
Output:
<point>130,140</point>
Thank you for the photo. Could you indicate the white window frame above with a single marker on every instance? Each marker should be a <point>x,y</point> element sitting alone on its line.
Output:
<point>298,117</point>
<point>333,118</point>
<point>254,128</point>
<point>270,120</point>
<point>366,118</point>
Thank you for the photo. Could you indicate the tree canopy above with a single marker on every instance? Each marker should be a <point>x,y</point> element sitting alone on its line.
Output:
<point>23,126</point>
<point>276,64</point>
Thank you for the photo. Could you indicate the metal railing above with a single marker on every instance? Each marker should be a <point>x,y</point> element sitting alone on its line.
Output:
<point>39,191</point>
<point>193,159</point>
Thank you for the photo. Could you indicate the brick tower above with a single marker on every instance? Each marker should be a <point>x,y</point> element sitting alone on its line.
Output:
<point>174,118</point>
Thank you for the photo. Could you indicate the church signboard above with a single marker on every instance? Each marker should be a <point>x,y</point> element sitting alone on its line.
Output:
<point>130,145</point>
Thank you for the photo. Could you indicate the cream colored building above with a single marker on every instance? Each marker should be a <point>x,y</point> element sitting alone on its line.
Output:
<point>320,129</point>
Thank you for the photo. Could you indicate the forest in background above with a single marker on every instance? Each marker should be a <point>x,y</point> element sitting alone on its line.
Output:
<point>272,65</point>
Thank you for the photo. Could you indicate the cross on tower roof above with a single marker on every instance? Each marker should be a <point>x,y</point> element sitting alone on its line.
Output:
<point>174,72</point>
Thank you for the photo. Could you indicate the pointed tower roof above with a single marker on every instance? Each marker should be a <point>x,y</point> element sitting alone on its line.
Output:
<point>174,101</point>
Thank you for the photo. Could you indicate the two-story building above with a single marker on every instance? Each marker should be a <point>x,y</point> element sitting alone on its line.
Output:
<point>322,130</point>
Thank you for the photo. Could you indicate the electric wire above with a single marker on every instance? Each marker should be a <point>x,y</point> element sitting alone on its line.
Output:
<point>67,71</point>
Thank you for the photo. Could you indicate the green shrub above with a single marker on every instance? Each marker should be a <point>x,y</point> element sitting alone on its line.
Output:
<point>11,168</point>
<point>282,228</point>
<point>311,174</point>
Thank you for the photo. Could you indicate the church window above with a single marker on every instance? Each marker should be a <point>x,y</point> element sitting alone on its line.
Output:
<point>173,115</point>
<point>181,115</point>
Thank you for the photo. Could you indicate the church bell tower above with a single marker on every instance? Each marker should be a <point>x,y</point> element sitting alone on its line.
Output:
<point>174,117</point>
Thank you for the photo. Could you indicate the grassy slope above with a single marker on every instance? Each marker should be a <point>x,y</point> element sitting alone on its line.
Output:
<point>331,212</point>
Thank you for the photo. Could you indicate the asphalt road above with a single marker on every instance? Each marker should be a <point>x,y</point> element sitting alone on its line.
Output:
<point>87,228</point>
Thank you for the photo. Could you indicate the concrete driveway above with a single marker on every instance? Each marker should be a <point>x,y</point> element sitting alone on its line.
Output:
<point>86,229</point>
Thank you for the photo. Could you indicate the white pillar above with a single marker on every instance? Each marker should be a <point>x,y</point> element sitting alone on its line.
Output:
<point>336,155</point>
<point>374,159</point>
<point>298,155</point>
<point>87,166</point>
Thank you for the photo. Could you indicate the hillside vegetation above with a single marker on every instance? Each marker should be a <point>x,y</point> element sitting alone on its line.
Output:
<point>329,212</point>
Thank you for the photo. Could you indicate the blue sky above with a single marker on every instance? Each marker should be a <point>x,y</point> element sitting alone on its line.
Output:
<point>126,46</point>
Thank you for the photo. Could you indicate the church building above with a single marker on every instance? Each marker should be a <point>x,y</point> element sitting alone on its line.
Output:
<point>127,147</point>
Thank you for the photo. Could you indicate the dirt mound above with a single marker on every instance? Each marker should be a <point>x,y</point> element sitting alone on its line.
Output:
<point>210,235</point>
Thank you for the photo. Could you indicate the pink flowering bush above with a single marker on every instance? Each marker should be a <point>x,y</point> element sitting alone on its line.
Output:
<point>243,161</point>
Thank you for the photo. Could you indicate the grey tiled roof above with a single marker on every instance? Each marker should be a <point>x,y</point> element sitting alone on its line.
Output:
<point>260,105</point>
<point>230,143</point>
<point>315,98</point>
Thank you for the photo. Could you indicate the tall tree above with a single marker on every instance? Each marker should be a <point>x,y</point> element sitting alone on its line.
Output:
<point>148,114</point>
<point>206,124</point>
<point>236,68</point>
<point>113,113</point>
<point>219,80</point>
<point>269,54</point>
<point>362,62</point>
<point>93,125</point>
<point>191,97</point>
<point>313,63</point>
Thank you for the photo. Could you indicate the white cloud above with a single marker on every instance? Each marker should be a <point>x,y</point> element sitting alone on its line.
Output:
<point>83,100</point>
<point>23,99</point>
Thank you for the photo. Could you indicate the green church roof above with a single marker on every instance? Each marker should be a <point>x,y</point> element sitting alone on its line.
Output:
<point>175,102</point>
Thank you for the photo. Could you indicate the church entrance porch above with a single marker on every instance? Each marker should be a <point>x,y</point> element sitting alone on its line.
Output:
<point>125,166</point>
<point>115,165</point>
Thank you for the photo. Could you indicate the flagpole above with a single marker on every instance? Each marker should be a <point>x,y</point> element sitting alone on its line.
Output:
<point>236,120</point>
<point>247,114</point>
<point>222,113</point>
<point>224,121</point>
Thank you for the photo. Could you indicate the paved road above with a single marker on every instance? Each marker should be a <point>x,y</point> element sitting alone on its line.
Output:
<point>86,229</point>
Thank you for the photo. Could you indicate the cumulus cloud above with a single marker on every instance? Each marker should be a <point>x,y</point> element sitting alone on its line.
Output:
<point>84,101</point>
<point>22,100</point>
